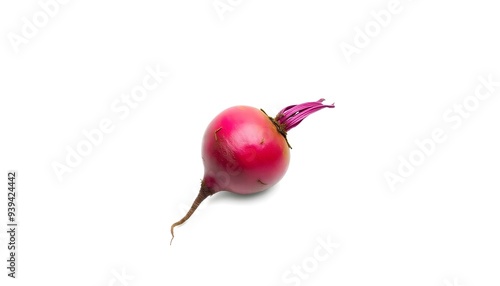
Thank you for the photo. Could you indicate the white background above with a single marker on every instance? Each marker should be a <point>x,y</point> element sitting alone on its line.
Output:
<point>113,212</point>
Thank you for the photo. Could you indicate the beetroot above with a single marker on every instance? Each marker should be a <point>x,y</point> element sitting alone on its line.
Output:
<point>245,151</point>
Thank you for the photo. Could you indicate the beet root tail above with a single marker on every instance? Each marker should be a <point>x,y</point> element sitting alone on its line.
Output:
<point>204,193</point>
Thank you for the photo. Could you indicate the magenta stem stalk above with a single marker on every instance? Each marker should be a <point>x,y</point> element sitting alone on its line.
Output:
<point>292,115</point>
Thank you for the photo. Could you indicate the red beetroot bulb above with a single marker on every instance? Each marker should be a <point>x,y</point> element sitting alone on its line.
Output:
<point>245,151</point>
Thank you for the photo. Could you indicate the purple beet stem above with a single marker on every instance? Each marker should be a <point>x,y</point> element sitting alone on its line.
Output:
<point>292,115</point>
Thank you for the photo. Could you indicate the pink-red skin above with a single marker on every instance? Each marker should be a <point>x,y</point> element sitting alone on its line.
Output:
<point>243,152</point>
